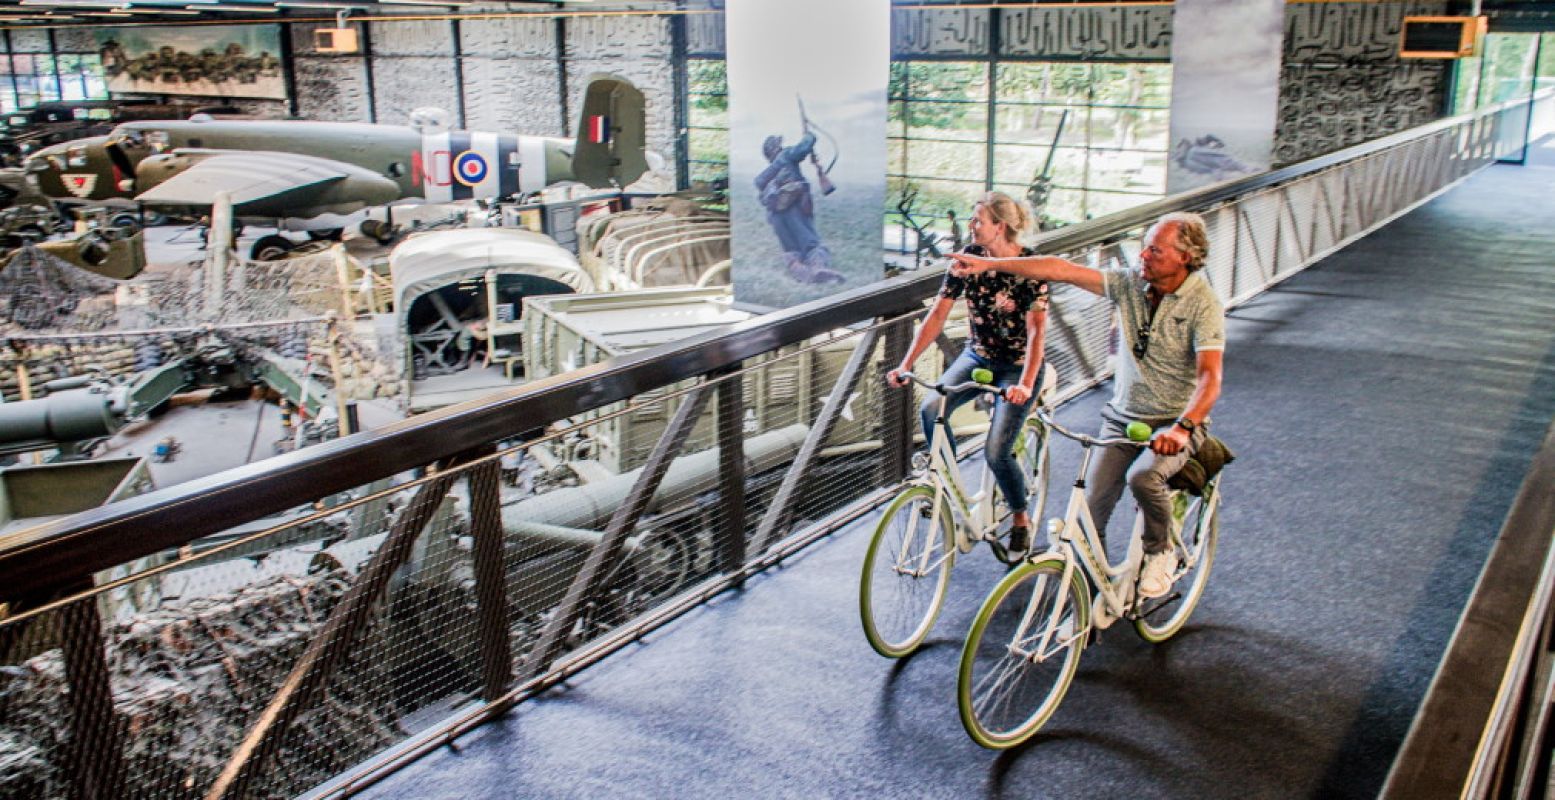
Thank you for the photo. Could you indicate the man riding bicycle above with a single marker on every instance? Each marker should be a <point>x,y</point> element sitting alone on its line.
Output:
<point>1168,376</point>
<point>1008,317</point>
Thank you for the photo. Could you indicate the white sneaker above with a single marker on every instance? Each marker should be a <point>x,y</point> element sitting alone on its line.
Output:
<point>1155,576</point>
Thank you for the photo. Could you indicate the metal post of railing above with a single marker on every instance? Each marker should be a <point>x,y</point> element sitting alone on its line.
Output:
<point>896,418</point>
<point>317,664</point>
<point>596,570</point>
<point>96,756</point>
<point>490,577</point>
<point>731,469</point>
<point>781,509</point>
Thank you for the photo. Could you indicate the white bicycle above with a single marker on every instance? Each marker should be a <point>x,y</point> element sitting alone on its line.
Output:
<point>914,547</point>
<point>1025,643</point>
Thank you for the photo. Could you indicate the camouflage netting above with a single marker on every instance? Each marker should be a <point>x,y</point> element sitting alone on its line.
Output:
<point>187,681</point>
<point>45,294</point>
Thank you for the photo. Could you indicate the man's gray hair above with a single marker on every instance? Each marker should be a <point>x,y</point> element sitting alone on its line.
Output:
<point>1192,238</point>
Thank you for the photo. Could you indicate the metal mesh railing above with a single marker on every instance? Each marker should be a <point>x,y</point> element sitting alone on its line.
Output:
<point>305,625</point>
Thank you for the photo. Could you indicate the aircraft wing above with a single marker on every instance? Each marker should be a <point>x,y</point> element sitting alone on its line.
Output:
<point>194,177</point>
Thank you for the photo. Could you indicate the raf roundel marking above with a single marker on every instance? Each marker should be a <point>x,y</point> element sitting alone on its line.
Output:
<point>470,168</point>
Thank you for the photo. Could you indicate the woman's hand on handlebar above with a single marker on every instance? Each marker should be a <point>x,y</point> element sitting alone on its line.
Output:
<point>1017,393</point>
<point>898,378</point>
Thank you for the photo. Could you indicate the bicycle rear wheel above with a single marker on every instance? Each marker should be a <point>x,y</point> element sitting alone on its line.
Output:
<point>1160,619</point>
<point>906,572</point>
<point>1019,659</point>
<point>1031,453</point>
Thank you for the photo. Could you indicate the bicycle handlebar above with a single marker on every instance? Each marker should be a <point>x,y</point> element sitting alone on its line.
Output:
<point>941,389</point>
<point>1089,441</point>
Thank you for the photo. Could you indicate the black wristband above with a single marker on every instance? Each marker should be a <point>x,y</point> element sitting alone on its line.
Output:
<point>1187,424</point>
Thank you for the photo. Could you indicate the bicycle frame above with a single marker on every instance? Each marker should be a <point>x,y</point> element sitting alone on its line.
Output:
<point>969,513</point>
<point>1112,583</point>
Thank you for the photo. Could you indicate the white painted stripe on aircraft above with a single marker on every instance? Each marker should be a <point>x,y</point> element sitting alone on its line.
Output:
<point>485,145</point>
<point>437,180</point>
<point>531,170</point>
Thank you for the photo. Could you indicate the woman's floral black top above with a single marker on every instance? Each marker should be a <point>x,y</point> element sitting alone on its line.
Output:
<point>996,305</point>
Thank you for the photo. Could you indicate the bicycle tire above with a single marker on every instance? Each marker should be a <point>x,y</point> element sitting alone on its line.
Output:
<point>896,628</point>
<point>994,683</point>
<point>1200,537</point>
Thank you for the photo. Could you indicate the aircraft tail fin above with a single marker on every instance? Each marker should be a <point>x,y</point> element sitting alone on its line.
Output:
<point>611,134</point>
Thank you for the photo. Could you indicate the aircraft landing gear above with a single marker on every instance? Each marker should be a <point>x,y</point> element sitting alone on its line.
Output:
<point>270,248</point>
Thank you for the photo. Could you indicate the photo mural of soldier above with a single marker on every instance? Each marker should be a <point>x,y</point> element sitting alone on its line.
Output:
<point>785,194</point>
<point>806,231</point>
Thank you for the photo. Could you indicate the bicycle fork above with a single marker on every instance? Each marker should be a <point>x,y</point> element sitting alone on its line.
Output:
<point>1045,646</point>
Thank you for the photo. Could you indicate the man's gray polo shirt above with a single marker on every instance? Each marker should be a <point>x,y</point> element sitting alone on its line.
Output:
<point>1188,321</point>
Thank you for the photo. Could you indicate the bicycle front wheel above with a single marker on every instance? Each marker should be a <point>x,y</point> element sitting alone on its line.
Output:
<point>1021,654</point>
<point>906,572</point>
<point>1162,618</point>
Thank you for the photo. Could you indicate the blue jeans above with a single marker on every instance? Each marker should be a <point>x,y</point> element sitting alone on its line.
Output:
<point>1007,420</point>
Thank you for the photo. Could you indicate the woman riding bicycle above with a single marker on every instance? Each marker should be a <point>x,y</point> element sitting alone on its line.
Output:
<point>1008,316</point>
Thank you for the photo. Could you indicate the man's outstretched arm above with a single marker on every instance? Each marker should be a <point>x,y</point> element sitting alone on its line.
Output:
<point>1042,268</point>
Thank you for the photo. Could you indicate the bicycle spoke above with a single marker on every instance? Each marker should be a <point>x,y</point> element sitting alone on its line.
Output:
<point>1007,688</point>
<point>906,573</point>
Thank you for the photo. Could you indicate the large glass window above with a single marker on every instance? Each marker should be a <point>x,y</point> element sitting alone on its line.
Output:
<point>1509,67</point>
<point>81,77</point>
<point>707,120</point>
<point>1077,140</point>
<point>27,79</point>
<point>937,145</point>
<point>1094,136</point>
<point>36,81</point>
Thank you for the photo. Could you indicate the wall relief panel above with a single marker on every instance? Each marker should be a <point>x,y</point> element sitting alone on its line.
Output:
<point>509,38</point>
<point>1323,109</point>
<point>331,89</point>
<point>402,84</point>
<point>512,95</point>
<point>1097,33</point>
<point>924,31</point>
<point>645,38</point>
<point>705,34</point>
<point>71,40</point>
<point>31,40</point>
<point>418,38</point>
<point>1343,83</point>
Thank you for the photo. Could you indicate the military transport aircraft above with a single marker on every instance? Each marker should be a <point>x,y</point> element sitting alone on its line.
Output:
<point>293,170</point>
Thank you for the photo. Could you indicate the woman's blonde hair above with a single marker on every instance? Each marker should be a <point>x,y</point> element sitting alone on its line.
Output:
<point>1007,210</point>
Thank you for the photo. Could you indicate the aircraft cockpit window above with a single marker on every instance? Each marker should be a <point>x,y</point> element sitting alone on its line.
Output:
<point>157,140</point>
<point>76,156</point>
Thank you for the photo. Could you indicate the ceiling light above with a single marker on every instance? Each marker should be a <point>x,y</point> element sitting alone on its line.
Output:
<point>445,3</point>
<point>227,7</point>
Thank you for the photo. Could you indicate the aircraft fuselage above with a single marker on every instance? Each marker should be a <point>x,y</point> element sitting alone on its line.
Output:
<point>423,167</point>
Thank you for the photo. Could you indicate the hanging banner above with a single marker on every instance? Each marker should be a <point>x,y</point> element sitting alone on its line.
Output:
<point>1225,89</point>
<point>807,131</point>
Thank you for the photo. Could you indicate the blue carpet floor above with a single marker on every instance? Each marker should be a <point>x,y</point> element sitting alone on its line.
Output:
<point>1385,404</point>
